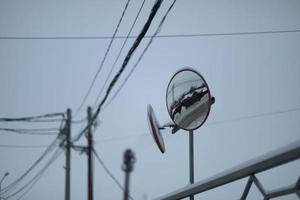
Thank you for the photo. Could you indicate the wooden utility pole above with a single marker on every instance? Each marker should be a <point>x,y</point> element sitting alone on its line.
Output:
<point>67,131</point>
<point>89,137</point>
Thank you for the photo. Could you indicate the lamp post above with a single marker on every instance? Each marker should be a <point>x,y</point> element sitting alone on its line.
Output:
<point>5,175</point>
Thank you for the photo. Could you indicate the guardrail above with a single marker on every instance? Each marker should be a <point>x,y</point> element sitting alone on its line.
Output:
<point>265,162</point>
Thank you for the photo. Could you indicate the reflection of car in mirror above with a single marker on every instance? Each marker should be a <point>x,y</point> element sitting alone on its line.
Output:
<point>188,99</point>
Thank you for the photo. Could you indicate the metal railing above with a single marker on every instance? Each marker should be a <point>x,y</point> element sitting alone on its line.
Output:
<point>262,163</point>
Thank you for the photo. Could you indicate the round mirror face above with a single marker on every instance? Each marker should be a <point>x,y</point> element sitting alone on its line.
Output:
<point>188,99</point>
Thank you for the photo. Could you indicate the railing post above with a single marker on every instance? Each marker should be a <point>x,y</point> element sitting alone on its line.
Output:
<point>247,188</point>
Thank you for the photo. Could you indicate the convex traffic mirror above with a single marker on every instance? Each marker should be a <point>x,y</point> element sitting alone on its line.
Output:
<point>188,99</point>
<point>155,129</point>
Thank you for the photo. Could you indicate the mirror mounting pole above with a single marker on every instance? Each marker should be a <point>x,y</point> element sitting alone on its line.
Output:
<point>191,155</point>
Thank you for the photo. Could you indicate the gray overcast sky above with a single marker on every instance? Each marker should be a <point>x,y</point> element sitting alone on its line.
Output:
<point>248,75</point>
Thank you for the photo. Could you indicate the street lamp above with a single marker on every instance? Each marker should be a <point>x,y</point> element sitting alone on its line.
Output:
<point>5,175</point>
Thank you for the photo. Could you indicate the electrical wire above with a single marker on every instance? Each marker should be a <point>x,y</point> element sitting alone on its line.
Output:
<point>78,136</point>
<point>41,157</point>
<point>129,54</point>
<point>149,36</point>
<point>253,116</point>
<point>23,146</point>
<point>30,187</point>
<point>79,121</point>
<point>260,115</point>
<point>225,121</point>
<point>228,34</point>
<point>45,120</point>
<point>128,137</point>
<point>36,178</point>
<point>33,180</point>
<point>103,60</point>
<point>37,118</point>
<point>41,132</point>
<point>143,53</point>
<point>31,183</point>
<point>125,62</point>
<point>106,169</point>
<point>120,51</point>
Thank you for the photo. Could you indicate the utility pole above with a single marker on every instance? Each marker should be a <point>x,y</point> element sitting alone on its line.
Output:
<point>129,160</point>
<point>89,137</point>
<point>67,132</point>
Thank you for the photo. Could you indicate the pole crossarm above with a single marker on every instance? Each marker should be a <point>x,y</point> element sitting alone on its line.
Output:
<point>264,162</point>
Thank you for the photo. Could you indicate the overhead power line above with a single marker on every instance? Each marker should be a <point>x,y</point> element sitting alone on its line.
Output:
<point>106,169</point>
<point>115,139</point>
<point>41,157</point>
<point>120,51</point>
<point>103,60</point>
<point>145,134</point>
<point>33,180</point>
<point>38,118</point>
<point>45,120</point>
<point>22,146</point>
<point>225,121</point>
<point>125,62</point>
<point>143,53</point>
<point>253,116</point>
<point>41,132</point>
<point>129,54</point>
<point>78,121</point>
<point>149,36</point>
<point>39,175</point>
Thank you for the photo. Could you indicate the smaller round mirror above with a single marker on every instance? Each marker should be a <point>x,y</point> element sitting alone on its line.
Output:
<point>188,99</point>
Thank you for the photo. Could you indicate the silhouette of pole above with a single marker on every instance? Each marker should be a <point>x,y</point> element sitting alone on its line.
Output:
<point>127,167</point>
<point>89,137</point>
<point>67,133</point>
<point>191,155</point>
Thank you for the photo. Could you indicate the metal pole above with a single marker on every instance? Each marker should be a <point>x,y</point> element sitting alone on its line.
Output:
<point>90,156</point>
<point>191,155</point>
<point>68,156</point>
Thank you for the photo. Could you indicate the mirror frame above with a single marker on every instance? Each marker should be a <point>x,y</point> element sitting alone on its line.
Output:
<point>210,100</point>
